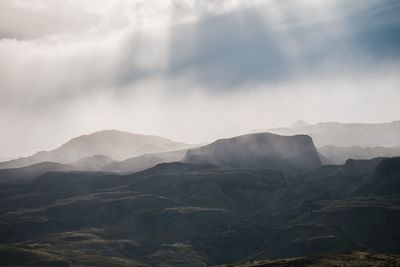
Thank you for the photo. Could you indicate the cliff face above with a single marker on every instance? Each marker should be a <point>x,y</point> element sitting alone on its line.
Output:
<point>259,151</point>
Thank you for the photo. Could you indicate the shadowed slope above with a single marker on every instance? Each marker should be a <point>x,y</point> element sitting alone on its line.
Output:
<point>289,154</point>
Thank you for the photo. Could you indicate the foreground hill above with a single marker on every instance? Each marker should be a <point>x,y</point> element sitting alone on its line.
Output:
<point>363,259</point>
<point>347,134</point>
<point>114,144</point>
<point>259,151</point>
<point>182,214</point>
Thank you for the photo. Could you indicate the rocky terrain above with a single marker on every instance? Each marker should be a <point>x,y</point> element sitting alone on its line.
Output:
<point>181,214</point>
<point>289,154</point>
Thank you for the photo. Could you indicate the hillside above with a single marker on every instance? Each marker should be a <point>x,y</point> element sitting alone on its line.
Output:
<point>94,163</point>
<point>28,173</point>
<point>145,161</point>
<point>339,155</point>
<point>181,214</point>
<point>114,144</point>
<point>259,151</point>
<point>340,260</point>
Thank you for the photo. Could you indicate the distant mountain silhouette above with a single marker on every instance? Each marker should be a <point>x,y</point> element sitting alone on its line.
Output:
<point>2,158</point>
<point>117,145</point>
<point>346,134</point>
<point>145,161</point>
<point>299,124</point>
<point>339,155</point>
<point>94,163</point>
<point>259,151</point>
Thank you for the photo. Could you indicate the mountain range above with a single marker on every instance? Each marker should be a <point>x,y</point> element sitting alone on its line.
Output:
<point>113,144</point>
<point>259,199</point>
<point>117,151</point>
<point>184,214</point>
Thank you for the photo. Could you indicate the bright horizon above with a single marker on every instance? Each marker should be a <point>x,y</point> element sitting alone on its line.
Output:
<point>192,71</point>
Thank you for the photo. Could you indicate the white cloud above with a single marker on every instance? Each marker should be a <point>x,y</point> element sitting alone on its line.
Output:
<point>190,70</point>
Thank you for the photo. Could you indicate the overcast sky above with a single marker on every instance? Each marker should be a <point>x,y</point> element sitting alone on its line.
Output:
<point>192,70</point>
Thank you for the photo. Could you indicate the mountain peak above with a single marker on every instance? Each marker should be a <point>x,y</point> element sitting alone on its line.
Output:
<point>118,145</point>
<point>299,124</point>
<point>259,151</point>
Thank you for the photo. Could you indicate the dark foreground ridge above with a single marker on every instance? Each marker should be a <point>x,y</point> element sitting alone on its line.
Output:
<point>361,259</point>
<point>184,214</point>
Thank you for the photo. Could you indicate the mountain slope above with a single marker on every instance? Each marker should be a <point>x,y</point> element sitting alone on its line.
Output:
<point>181,214</point>
<point>28,173</point>
<point>94,163</point>
<point>145,161</point>
<point>339,155</point>
<point>259,151</point>
<point>111,143</point>
<point>385,179</point>
<point>350,259</point>
<point>347,134</point>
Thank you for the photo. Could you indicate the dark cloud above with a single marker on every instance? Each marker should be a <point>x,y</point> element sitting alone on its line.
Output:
<point>227,51</point>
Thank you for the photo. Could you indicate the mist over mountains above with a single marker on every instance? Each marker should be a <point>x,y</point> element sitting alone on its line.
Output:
<point>116,145</point>
<point>259,151</point>
<point>250,198</point>
<point>346,134</point>
<point>128,126</point>
<point>337,142</point>
<point>217,206</point>
<point>123,152</point>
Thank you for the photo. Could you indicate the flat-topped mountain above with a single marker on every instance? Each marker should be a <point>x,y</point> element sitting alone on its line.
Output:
<point>346,134</point>
<point>259,151</point>
<point>114,144</point>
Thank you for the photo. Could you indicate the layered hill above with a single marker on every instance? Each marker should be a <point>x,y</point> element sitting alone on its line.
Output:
<point>184,214</point>
<point>28,173</point>
<point>94,163</point>
<point>259,151</point>
<point>339,155</point>
<point>145,161</point>
<point>114,144</point>
<point>234,200</point>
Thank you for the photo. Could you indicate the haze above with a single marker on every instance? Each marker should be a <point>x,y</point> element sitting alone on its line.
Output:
<point>189,70</point>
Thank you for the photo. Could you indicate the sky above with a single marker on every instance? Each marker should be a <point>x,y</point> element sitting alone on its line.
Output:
<point>192,70</point>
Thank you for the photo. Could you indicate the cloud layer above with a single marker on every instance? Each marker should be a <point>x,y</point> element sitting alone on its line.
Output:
<point>192,70</point>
